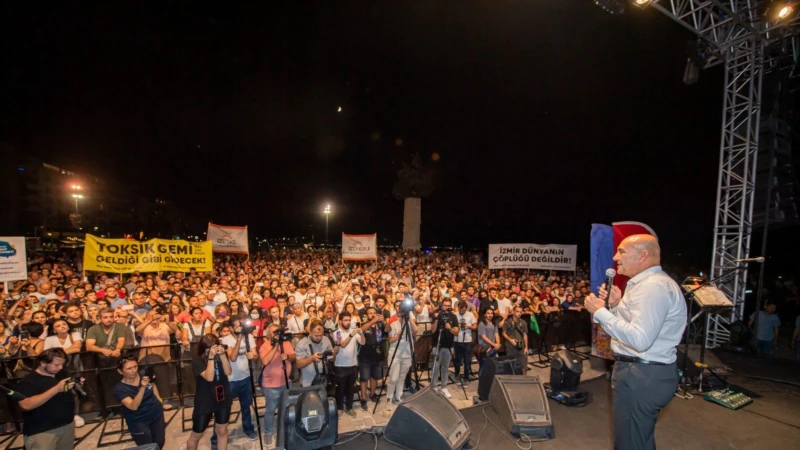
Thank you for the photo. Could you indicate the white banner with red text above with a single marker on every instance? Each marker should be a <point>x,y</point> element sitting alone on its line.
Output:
<point>359,247</point>
<point>228,239</point>
<point>533,256</point>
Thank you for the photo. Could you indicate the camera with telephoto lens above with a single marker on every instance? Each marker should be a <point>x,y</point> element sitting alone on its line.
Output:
<point>463,324</point>
<point>327,354</point>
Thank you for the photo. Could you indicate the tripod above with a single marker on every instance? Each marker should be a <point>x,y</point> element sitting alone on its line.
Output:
<point>441,330</point>
<point>253,386</point>
<point>405,332</point>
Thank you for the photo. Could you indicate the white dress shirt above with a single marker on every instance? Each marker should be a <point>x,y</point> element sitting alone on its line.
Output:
<point>649,320</point>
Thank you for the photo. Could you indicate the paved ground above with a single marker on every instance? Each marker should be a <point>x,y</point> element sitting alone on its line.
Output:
<point>176,437</point>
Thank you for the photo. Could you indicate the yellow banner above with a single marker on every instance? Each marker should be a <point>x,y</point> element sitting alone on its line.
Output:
<point>155,255</point>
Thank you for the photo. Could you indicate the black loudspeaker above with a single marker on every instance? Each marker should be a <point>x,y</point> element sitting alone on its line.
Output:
<point>306,419</point>
<point>427,421</point>
<point>501,365</point>
<point>714,364</point>
<point>565,371</point>
<point>521,403</point>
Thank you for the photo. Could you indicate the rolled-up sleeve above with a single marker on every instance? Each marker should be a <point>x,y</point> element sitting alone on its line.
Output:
<point>648,311</point>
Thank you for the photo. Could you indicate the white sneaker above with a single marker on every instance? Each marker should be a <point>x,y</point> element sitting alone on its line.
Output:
<point>445,393</point>
<point>79,422</point>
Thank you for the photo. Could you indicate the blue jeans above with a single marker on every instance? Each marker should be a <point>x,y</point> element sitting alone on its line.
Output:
<point>272,399</point>
<point>243,389</point>
<point>764,347</point>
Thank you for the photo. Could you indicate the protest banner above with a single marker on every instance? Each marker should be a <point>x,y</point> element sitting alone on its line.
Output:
<point>154,255</point>
<point>228,239</point>
<point>533,256</point>
<point>359,247</point>
<point>13,259</point>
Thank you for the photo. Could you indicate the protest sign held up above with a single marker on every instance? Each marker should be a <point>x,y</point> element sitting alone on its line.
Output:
<point>154,255</point>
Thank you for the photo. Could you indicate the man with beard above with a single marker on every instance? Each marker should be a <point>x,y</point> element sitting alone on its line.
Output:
<point>370,355</point>
<point>309,352</point>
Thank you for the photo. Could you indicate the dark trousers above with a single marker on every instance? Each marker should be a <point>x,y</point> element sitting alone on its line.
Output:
<point>640,391</point>
<point>243,390</point>
<point>463,354</point>
<point>149,433</point>
<point>345,386</point>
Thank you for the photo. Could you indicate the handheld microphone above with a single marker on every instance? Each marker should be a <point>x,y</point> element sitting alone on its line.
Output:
<point>759,259</point>
<point>610,274</point>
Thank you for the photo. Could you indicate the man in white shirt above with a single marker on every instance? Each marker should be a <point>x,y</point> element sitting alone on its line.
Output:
<point>463,345</point>
<point>400,350</point>
<point>241,349</point>
<point>345,350</point>
<point>646,324</point>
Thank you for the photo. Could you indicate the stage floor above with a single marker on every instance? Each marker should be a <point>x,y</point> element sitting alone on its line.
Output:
<point>770,422</point>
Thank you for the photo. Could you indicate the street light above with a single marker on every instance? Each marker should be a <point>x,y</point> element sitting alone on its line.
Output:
<point>77,198</point>
<point>327,214</point>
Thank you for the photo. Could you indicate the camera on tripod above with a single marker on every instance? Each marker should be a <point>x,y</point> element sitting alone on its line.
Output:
<point>407,305</point>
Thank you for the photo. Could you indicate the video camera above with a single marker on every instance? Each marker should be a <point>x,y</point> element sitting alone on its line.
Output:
<point>281,335</point>
<point>407,305</point>
<point>248,326</point>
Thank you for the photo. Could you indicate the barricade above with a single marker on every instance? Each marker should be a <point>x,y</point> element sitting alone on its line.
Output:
<point>170,364</point>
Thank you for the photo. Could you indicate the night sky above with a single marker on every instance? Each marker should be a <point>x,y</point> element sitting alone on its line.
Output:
<point>546,115</point>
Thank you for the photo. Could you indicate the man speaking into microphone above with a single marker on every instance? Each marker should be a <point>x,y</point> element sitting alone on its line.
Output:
<point>646,325</point>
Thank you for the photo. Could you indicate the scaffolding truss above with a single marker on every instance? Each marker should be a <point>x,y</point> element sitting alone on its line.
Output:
<point>737,34</point>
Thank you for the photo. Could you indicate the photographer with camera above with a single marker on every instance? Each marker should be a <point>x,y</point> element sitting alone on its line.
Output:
<point>401,349</point>
<point>211,368</point>
<point>446,327</point>
<point>312,352</point>
<point>277,357</point>
<point>463,345</point>
<point>370,355</point>
<point>345,362</point>
<point>515,335</point>
<point>48,409</point>
<point>241,348</point>
<point>141,404</point>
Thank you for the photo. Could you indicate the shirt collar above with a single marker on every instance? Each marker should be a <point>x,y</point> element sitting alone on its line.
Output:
<point>644,274</point>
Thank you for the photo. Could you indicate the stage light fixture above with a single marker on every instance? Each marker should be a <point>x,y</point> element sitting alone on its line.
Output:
<point>611,6</point>
<point>565,371</point>
<point>642,3</point>
<point>785,11</point>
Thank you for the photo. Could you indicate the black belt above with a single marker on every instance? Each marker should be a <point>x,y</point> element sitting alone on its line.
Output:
<point>637,360</point>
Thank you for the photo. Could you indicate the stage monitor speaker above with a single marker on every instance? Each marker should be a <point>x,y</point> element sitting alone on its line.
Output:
<point>714,364</point>
<point>501,365</point>
<point>427,420</point>
<point>521,403</point>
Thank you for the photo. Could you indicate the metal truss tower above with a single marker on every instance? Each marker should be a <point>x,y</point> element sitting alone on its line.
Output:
<point>737,35</point>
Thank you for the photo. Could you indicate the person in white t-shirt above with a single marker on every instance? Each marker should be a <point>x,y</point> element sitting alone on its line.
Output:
<point>463,343</point>
<point>241,349</point>
<point>346,342</point>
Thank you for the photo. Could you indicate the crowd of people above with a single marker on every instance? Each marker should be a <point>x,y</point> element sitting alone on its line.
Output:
<point>276,319</point>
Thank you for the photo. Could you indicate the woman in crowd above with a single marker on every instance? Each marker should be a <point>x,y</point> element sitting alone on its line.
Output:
<point>488,338</point>
<point>141,404</point>
<point>212,396</point>
<point>195,328</point>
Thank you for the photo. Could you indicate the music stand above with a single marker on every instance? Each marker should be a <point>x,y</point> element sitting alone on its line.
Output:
<point>710,299</point>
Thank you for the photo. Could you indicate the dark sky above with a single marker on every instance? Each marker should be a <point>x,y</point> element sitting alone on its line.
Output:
<point>547,115</point>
